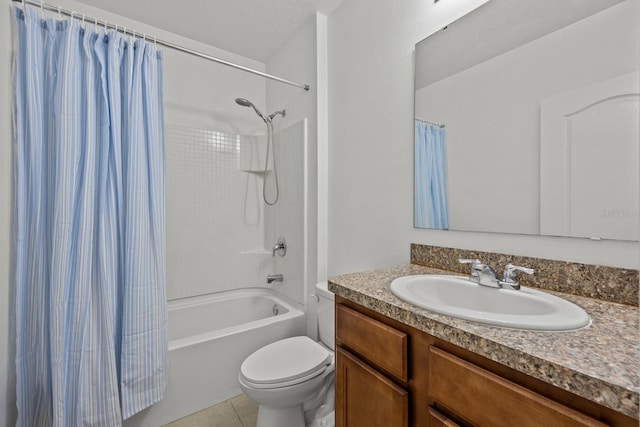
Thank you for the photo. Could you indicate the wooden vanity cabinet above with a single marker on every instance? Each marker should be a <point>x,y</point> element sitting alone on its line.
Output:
<point>392,375</point>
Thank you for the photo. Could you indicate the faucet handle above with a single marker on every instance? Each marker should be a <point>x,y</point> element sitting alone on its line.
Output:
<point>280,247</point>
<point>509,275</point>
<point>476,265</point>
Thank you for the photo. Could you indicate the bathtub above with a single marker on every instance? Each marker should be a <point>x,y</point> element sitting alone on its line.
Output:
<point>209,337</point>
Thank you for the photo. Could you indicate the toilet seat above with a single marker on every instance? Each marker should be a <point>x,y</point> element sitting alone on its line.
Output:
<point>286,362</point>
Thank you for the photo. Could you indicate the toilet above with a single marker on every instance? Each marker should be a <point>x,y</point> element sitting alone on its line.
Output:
<point>281,376</point>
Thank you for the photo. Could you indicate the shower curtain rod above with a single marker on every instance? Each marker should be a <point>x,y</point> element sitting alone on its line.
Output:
<point>430,123</point>
<point>105,24</point>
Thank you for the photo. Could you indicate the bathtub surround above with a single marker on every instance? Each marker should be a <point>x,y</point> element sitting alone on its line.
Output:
<point>612,284</point>
<point>219,231</point>
<point>90,274</point>
<point>286,219</point>
<point>215,218</point>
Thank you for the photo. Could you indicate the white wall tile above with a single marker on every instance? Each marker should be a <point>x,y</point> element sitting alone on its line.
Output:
<point>214,214</point>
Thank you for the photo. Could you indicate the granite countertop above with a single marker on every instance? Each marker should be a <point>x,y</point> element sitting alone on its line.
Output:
<point>599,363</point>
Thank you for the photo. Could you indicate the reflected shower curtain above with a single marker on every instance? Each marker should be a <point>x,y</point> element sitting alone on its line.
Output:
<point>91,315</point>
<point>430,204</point>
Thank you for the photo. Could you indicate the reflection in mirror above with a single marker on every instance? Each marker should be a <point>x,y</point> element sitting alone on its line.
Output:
<point>540,103</point>
<point>430,176</point>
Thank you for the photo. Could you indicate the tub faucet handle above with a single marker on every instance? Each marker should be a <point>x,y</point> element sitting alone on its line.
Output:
<point>280,247</point>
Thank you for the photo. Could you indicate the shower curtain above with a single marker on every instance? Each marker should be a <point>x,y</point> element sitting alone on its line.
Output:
<point>430,204</point>
<point>91,346</point>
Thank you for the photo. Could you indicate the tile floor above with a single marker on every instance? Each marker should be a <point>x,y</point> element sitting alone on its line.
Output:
<point>238,411</point>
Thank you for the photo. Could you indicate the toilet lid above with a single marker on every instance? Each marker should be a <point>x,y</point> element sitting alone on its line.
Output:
<point>285,360</point>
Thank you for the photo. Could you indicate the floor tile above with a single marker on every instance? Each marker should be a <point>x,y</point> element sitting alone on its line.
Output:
<point>220,415</point>
<point>246,409</point>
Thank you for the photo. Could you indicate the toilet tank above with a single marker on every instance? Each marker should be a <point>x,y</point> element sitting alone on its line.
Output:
<point>326,320</point>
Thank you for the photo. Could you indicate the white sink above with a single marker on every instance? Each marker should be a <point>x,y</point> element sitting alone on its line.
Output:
<point>459,297</point>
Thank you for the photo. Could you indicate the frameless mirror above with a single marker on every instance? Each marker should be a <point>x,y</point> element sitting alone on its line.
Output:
<point>526,117</point>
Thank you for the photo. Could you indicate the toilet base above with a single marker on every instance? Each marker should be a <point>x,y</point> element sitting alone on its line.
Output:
<point>292,416</point>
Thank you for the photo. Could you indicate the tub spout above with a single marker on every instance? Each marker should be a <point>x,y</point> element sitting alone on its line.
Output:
<point>274,278</point>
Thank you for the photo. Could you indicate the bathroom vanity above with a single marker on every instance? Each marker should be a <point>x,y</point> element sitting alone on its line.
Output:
<point>399,365</point>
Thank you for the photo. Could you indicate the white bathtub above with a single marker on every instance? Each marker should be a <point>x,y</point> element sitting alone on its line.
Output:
<point>209,337</point>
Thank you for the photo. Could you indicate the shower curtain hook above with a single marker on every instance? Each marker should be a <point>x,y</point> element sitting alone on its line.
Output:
<point>155,40</point>
<point>59,13</point>
<point>105,26</point>
<point>41,10</point>
<point>125,30</point>
<point>83,20</point>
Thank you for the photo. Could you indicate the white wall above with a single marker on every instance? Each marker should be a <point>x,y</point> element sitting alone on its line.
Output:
<point>371,44</point>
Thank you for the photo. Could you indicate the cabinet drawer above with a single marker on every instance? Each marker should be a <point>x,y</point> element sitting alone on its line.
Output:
<point>436,419</point>
<point>486,399</point>
<point>379,344</point>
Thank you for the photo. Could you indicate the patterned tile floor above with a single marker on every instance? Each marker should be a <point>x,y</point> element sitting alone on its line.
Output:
<point>235,412</point>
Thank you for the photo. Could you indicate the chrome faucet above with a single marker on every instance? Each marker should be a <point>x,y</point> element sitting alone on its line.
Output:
<point>509,276</point>
<point>484,275</point>
<point>481,273</point>
<point>274,278</point>
<point>280,247</point>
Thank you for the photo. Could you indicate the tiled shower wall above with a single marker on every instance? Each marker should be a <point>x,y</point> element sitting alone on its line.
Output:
<point>217,235</point>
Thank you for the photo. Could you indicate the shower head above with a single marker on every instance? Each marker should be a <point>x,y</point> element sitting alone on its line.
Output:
<point>246,103</point>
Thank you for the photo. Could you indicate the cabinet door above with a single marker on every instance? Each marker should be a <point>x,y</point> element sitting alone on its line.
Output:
<point>365,397</point>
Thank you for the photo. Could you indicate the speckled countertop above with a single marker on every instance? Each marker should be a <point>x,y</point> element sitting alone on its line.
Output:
<point>600,363</point>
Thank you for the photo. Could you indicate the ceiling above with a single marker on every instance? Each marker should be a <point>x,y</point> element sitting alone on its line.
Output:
<point>251,28</point>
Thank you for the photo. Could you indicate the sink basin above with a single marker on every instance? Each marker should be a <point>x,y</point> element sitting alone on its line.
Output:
<point>459,297</point>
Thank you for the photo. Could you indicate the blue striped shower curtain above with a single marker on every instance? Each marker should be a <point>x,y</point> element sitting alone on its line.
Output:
<point>91,316</point>
<point>430,187</point>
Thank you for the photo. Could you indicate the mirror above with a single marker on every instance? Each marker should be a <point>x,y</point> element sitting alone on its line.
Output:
<point>526,116</point>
